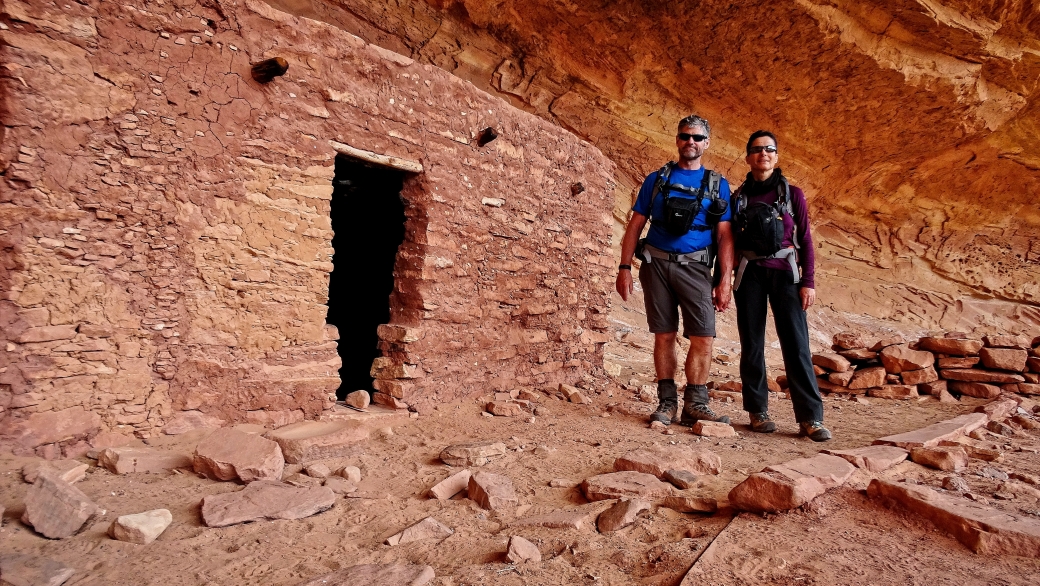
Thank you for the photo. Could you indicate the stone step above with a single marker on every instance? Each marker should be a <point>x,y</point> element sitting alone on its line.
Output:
<point>334,435</point>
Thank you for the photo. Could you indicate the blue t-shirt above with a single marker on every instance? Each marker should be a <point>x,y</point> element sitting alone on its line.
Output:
<point>693,240</point>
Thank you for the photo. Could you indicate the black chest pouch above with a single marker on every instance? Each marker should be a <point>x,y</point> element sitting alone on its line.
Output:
<point>679,213</point>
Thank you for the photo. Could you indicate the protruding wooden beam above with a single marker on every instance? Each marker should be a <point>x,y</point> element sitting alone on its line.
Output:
<point>377,159</point>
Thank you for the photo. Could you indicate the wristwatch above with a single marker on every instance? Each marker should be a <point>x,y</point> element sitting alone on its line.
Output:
<point>623,267</point>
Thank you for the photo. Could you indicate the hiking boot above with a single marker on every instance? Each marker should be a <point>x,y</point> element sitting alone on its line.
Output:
<point>666,410</point>
<point>667,402</point>
<point>762,422</point>
<point>693,412</point>
<point>815,430</point>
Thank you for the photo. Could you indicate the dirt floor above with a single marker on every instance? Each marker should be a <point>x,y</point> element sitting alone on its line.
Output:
<point>840,538</point>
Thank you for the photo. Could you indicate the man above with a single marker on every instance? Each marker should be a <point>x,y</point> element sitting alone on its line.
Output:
<point>688,207</point>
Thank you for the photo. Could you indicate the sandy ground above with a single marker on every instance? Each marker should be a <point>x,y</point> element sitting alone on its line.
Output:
<point>841,538</point>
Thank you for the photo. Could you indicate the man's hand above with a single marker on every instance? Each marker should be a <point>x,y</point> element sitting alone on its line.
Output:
<point>808,297</point>
<point>721,295</point>
<point>624,283</point>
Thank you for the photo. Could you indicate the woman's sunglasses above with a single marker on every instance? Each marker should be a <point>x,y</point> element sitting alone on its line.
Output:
<point>758,149</point>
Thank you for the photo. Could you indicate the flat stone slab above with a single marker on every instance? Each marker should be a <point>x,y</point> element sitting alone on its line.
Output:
<point>832,362</point>
<point>376,575</point>
<point>583,517</point>
<point>900,358</point>
<point>186,421</point>
<point>56,509</point>
<point>936,432</point>
<point>71,471</point>
<point>657,460</point>
<point>128,460</point>
<point>229,454</point>
<point>19,569</point>
<point>628,484</point>
<point>306,441</point>
<point>998,409</point>
<point>472,454</point>
<point>265,499</point>
<point>981,528</point>
<point>951,346</point>
<point>685,503</point>
<point>973,389</point>
<point>622,514</point>
<point>789,485</point>
<point>142,528</point>
<point>867,378</point>
<point>451,485</point>
<point>681,479</point>
<point>713,429</point>
<point>428,528</point>
<point>898,392</point>
<point>1004,358</point>
<point>872,458</point>
<point>975,375</point>
<point>492,491</point>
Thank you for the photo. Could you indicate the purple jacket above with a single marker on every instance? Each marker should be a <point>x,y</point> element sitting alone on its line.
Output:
<point>806,254</point>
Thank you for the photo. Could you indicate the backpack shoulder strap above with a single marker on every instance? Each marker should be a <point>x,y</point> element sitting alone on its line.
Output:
<point>787,207</point>
<point>663,175</point>
<point>711,184</point>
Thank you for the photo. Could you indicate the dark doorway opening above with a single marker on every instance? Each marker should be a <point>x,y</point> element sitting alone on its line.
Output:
<point>368,221</point>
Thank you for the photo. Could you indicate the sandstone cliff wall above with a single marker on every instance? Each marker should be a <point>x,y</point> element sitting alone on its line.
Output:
<point>165,234</point>
<point>911,123</point>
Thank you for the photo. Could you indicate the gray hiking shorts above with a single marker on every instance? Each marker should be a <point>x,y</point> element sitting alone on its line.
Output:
<point>668,287</point>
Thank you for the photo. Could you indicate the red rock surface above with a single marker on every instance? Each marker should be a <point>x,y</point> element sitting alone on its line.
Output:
<point>1004,358</point>
<point>899,358</point>
<point>952,346</point>
<point>657,460</point>
<point>873,458</point>
<point>931,435</point>
<point>56,509</point>
<point>866,378</point>
<point>983,529</point>
<point>128,460</point>
<point>979,390</point>
<point>229,454</point>
<point>492,491</point>
<point>832,362</point>
<point>980,376</point>
<point>616,485</point>
<point>947,458</point>
<point>789,485</point>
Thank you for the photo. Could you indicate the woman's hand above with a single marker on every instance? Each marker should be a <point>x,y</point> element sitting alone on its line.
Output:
<point>808,297</point>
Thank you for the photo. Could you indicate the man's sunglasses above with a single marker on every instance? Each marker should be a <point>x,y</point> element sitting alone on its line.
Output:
<point>696,137</point>
<point>758,149</point>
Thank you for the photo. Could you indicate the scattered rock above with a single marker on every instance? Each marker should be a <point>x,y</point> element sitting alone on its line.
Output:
<point>1026,477</point>
<point>951,346</point>
<point>340,485</point>
<point>869,377</point>
<point>621,515</point>
<point>1006,341</point>
<point>919,377</point>
<point>451,485</point>
<point>358,399</point>
<point>658,426</point>
<point>730,386</point>
<point>142,528</point>
<point>902,392</point>
<point>522,550</point>
<point>351,473</point>
<point>472,454</point>
<point>186,421</point>
<point>681,479</point>
<point>628,484</point>
<point>684,503</point>
<point>991,472</point>
<point>998,409</point>
<point>875,459</point>
<point>850,340</point>
<point>574,395</point>
<point>841,378</point>
<point>317,470</point>
<point>713,429</point>
<point>151,460</point>
<point>377,575</point>
<point>657,460</point>
<point>1023,388</point>
<point>1004,359</point>
<point>982,529</point>
<point>791,484</point>
<point>955,484</point>
<point>492,491</point>
<point>1026,422</point>
<point>301,480</point>
<point>227,454</point>
<point>885,342</point>
<point>581,518</point>
<point>56,509</point>
<point>832,362</point>
<point>563,483</point>
<point>265,499</point>
<point>306,441</point>
<point>428,528</point>
<point>901,358</point>
<point>70,471</point>
<point>858,354</point>
<point>505,409</point>
<point>19,569</point>
<point>979,390</point>
<point>933,434</point>
<point>1000,428</point>
<point>947,458</point>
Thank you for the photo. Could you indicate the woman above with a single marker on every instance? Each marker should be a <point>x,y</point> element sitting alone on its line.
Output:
<point>775,253</point>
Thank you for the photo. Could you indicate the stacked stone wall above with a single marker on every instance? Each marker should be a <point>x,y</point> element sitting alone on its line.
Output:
<point>165,234</point>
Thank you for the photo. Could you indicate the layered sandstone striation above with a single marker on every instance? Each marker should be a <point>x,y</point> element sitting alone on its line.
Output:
<point>910,123</point>
<point>165,230</point>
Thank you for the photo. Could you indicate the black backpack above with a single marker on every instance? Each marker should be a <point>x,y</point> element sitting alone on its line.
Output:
<point>760,226</point>
<point>678,213</point>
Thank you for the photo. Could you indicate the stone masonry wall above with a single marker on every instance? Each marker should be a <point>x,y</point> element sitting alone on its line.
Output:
<point>165,237</point>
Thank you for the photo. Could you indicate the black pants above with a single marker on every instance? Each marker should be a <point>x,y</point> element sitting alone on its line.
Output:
<point>776,286</point>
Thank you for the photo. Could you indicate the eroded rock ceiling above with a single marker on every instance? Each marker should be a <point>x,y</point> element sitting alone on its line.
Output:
<point>913,124</point>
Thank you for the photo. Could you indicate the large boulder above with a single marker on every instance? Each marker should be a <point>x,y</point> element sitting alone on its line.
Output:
<point>230,454</point>
<point>56,509</point>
